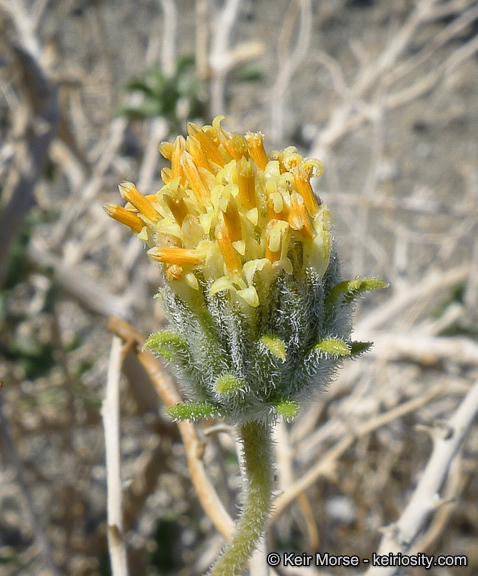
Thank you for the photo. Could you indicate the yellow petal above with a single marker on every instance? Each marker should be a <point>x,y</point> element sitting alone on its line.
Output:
<point>253,216</point>
<point>176,166</point>
<point>166,150</point>
<point>206,221</point>
<point>191,281</point>
<point>222,283</point>
<point>240,246</point>
<point>250,296</point>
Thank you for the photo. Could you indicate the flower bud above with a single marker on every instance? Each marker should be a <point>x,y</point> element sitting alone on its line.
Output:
<point>259,316</point>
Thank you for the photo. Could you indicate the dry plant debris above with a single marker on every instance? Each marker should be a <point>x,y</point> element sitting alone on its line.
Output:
<point>385,94</point>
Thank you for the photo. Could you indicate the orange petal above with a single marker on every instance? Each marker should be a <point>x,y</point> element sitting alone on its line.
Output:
<point>299,218</point>
<point>236,145</point>
<point>255,142</point>
<point>302,182</point>
<point>194,148</point>
<point>246,184</point>
<point>192,174</point>
<point>144,206</point>
<point>233,264</point>
<point>207,144</point>
<point>232,221</point>
<point>177,206</point>
<point>177,256</point>
<point>124,216</point>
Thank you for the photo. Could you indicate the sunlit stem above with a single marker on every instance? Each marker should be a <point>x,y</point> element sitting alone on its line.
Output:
<point>257,470</point>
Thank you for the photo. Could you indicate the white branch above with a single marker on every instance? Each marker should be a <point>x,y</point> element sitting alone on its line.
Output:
<point>422,348</point>
<point>219,58</point>
<point>110,414</point>
<point>400,536</point>
<point>434,282</point>
<point>258,563</point>
<point>288,69</point>
<point>168,52</point>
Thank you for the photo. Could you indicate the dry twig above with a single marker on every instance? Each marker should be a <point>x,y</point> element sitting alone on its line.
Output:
<point>110,413</point>
<point>38,530</point>
<point>287,69</point>
<point>222,59</point>
<point>327,463</point>
<point>33,155</point>
<point>401,535</point>
<point>194,448</point>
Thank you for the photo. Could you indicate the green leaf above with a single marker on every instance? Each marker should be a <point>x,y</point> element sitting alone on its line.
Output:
<point>140,86</point>
<point>287,409</point>
<point>249,72</point>
<point>12,559</point>
<point>229,384</point>
<point>185,62</point>
<point>194,411</point>
<point>166,344</point>
<point>333,346</point>
<point>149,107</point>
<point>346,291</point>
<point>275,345</point>
<point>36,358</point>
<point>357,348</point>
<point>157,80</point>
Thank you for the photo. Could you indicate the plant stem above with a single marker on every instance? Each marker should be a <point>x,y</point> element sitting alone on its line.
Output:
<point>257,471</point>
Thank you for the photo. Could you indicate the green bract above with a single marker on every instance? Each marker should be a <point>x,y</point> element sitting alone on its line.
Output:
<point>247,368</point>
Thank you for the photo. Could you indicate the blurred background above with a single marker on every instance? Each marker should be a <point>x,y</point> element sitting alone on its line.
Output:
<point>386,95</point>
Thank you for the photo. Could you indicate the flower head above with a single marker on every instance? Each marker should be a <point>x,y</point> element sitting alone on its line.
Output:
<point>249,272</point>
<point>229,215</point>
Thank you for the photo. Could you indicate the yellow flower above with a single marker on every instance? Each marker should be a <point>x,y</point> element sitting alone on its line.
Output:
<point>258,314</point>
<point>229,216</point>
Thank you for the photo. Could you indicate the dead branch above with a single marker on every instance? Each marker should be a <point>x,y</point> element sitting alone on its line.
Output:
<point>86,292</point>
<point>110,413</point>
<point>206,493</point>
<point>38,530</point>
<point>434,282</point>
<point>327,463</point>
<point>168,52</point>
<point>41,130</point>
<point>375,78</point>
<point>222,59</point>
<point>287,69</point>
<point>423,349</point>
<point>401,535</point>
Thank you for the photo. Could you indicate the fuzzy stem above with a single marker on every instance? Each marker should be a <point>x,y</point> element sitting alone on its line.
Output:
<point>257,473</point>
